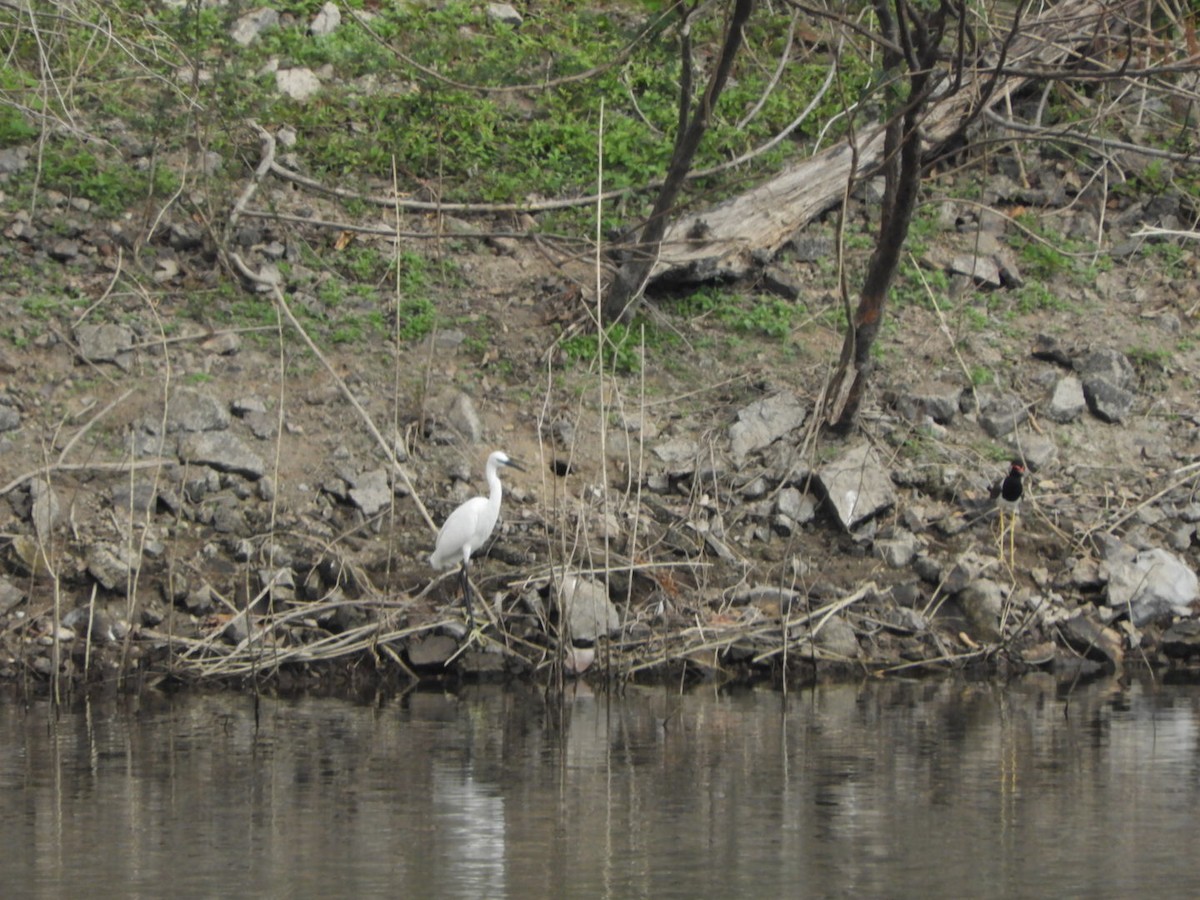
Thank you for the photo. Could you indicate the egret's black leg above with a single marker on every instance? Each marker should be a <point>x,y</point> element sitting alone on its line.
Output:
<point>466,589</point>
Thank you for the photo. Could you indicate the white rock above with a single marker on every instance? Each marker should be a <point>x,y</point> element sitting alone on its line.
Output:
<point>299,84</point>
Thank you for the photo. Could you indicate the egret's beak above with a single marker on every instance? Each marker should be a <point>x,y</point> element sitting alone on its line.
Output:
<point>515,464</point>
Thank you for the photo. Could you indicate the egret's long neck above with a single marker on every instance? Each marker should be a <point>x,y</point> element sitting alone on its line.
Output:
<point>495,491</point>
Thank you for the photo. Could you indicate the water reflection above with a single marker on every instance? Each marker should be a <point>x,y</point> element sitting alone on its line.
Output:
<point>925,789</point>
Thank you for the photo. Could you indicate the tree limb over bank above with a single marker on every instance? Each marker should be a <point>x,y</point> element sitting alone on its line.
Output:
<point>727,241</point>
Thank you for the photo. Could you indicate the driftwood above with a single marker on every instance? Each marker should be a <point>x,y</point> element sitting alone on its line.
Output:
<point>726,241</point>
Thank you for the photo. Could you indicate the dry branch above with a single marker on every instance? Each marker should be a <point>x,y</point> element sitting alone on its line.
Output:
<point>760,221</point>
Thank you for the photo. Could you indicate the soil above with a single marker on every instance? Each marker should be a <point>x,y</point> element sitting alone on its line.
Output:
<point>712,572</point>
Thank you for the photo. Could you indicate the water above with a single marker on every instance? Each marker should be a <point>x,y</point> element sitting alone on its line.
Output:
<point>926,789</point>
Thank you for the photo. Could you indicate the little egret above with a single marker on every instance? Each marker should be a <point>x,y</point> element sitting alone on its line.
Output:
<point>1006,505</point>
<point>470,525</point>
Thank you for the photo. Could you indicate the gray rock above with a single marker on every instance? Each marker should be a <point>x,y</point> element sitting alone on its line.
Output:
<point>111,565</point>
<point>897,551</point>
<point>967,569</point>
<point>370,491</point>
<point>1039,451</point>
<point>227,344</point>
<point>754,488</point>
<point>796,505</point>
<point>13,160</point>
<point>1110,365</point>
<point>1181,640</point>
<point>10,596</point>
<point>1066,402</point>
<point>678,455</point>
<point>1181,537</point>
<point>857,486</point>
<point>586,608</point>
<point>837,638</point>
<point>434,650</point>
<point>1155,584</point>
<point>327,20</point>
<point>10,419</point>
<point>936,399</point>
<point>504,13</point>
<point>46,510</point>
<point>222,451</point>
<point>200,601</point>
<point>1090,637</point>
<point>981,268</point>
<point>243,405</point>
<point>982,603</point>
<point>299,84</point>
<point>63,250</point>
<point>191,409</point>
<point>95,622</point>
<point>248,27</point>
<point>765,421</point>
<point>1002,414</point>
<point>103,343</point>
<point>229,518</point>
<point>1108,402</point>
<point>261,424</point>
<point>461,415</point>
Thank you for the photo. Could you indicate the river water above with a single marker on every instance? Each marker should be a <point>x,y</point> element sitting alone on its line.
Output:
<point>937,788</point>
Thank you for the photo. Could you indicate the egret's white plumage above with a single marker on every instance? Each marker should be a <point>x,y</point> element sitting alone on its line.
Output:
<point>470,525</point>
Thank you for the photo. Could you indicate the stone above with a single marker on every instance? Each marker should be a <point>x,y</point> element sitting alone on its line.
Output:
<point>326,21</point>
<point>371,492</point>
<point>1180,641</point>
<point>93,622</point>
<point>299,84</point>
<point>1155,584</point>
<point>504,13</point>
<point>796,505</point>
<point>982,603</point>
<point>111,565</point>
<point>1110,365</point>
<point>1038,450</point>
<point>837,638</point>
<point>63,250</point>
<point>13,160</point>
<point>967,569</point>
<point>46,510</point>
<point>936,399</point>
<point>1002,415</point>
<point>857,485</point>
<point>248,27</point>
<point>191,409</point>
<point>1066,402</point>
<point>586,608</point>
<point>897,551</point>
<point>434,650</point>
<point>678,455</point>
<point>1090,637</point>
<point>763,422</point>
<point>461,415</point>
<point>222,451</point>
<point>1108,402</point>
<point>103,343</point>
<point>982,269</point>
<point>11,596</point>
<point>10,419</point>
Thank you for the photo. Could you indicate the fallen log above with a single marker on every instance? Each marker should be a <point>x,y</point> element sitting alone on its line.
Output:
<point>729,240</point>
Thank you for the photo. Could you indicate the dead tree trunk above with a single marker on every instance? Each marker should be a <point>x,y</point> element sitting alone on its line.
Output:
<point>911,45</point>
<point>626,288</point>
<point>728,240</point>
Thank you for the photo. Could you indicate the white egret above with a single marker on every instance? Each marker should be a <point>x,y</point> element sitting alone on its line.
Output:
<point>467,529</point>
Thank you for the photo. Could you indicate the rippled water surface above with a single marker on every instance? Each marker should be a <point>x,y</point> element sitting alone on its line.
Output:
<point>926,789</point>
